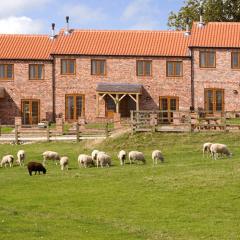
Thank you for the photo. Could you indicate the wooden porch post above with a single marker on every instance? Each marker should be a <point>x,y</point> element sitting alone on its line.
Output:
<point>117,103</point>
<point>137,102</point>
<point>97,104</point>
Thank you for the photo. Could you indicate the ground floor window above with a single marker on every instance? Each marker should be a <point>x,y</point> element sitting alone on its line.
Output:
<point>74,106</point>
<point>168,105</point>
<point>214,100</point>
<point>30,111</point>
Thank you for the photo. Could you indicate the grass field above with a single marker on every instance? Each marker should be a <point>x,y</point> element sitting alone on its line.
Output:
<point>187,197</point>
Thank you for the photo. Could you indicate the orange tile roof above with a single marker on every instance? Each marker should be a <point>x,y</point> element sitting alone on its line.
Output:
<point>122,43</point>
<point>16,46</point>
<point>216,34</point>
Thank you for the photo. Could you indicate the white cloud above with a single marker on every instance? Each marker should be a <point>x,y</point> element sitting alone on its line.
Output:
<point>142,14</point>
<point>20,25</point>
<point>83,14</point>
<point>15,7</point>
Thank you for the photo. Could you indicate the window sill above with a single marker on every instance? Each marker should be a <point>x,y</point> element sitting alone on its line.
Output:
<point>6,80</point>
<point>207,68</point>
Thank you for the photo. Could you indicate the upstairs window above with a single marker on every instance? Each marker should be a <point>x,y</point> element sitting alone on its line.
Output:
<point>207,59</point>
<point>174,69</point>
<point>236,60</point>
<point>98,67</point>
<point>68,66</point>
<point>144,68</point>
<point>6,71</point>
<point>36,71</point>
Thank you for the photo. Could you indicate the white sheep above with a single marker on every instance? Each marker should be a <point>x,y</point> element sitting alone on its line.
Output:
<point>157,156</point>
<point>103,159</point>
<point>94,154</point>
<point>85,160</point>
<point>218,148</point>
<point>206,148</point>
<point>122,157</point>
<point>21,155</point>
<point>136,156</point>
<point>50,155</point>
<point>64,162</point>
<point>8,159</point>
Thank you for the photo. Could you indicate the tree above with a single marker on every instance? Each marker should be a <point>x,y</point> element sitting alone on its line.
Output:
<point>214,11</point>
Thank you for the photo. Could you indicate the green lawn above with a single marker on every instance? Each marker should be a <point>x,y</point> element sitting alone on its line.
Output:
<point>187,197</point>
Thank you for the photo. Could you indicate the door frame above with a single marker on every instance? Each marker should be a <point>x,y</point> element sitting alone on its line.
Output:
<point>30,108</point>
<point>214,90</point>
<point>106,109</point>
<point>169,111</point>
<point>74,95</point>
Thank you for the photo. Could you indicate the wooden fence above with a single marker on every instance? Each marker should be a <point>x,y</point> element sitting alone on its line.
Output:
<point>184,121</point>
<point>75,133</point>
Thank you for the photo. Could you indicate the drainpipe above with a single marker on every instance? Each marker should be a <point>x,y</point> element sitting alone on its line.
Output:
<point>53,90</point>
<point>192,79</point>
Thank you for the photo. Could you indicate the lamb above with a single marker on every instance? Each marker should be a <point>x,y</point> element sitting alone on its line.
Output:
<point>218,148</point>
<point>206,148</point>
<point>36,167</point>
<point>64,162</point>
<point>85,160</point>
<point>136,156</point>
<point>157,155</point>
<point>103,159</point>
<point>50,155</point>
<point>122,157</point>
<point>21,157</point>
<point>8,159</point>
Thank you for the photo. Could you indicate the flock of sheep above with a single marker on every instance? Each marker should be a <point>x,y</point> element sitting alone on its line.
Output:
<point>99,158</point>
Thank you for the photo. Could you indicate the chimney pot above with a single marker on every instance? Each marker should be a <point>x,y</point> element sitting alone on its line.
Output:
<point>67,26</point>
<point>53,31</point>
<point>187,32</point>
<point>201,22</point>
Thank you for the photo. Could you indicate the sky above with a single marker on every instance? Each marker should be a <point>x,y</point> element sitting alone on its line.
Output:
<point>36,16</point>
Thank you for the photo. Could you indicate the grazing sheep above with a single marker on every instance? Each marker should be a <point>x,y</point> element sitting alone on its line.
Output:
<point>8,159</point>
<point>122,157</point>
<point>94,154</point>
<point>64,162</point>
<point>36,167</point>
<point>218,148</point>
<point>85,160</point>
<point>103,159</point>
<point>50,155</point>
<point>157,155</point>
<point>21,157</point>
<point>136,156</point>
<point>206,148</point>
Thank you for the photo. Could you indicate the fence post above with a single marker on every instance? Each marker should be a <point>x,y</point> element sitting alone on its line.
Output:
<point>106,130</point>
<point>225,122</point>
<point>77,132</point>
<point>48,133</point>
<point>16,134</point>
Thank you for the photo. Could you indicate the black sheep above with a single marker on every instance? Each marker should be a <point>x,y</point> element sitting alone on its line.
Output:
<point>36,167</point>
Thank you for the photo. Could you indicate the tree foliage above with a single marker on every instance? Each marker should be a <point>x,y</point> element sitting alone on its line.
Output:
<point>214,11</point>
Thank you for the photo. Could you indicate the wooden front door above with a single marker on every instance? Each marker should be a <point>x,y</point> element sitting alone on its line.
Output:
<point>74,107</point>
<point>30,112</point>
<point>214,100</point>
<point>168,105</point>
<point>110,107</point>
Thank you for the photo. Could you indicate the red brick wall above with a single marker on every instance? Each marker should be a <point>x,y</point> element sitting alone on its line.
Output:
<point>221,77</point>
<point>23,88</point>
<point>123,70</point>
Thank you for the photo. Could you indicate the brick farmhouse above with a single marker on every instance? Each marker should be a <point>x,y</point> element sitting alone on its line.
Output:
<point>93,74</point>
